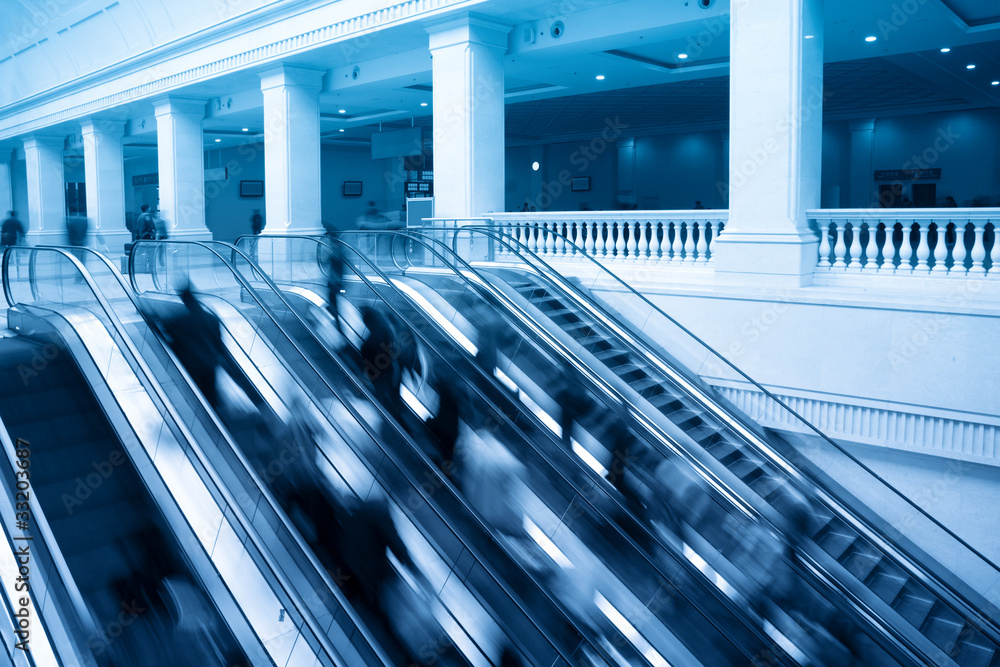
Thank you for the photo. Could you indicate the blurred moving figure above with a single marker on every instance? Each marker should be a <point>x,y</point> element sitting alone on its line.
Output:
<point>493,331</point>
<point>444,424</point>
<point>334,280</point>
<point>380,356</point>
<point>11,231</point>
<point>76,236</point>
<point>145,225</point>
<point>196,337</point>
<point>573,401</point>
<point>492,480</point>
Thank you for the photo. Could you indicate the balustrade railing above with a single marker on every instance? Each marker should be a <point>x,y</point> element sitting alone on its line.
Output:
<point>952,242</point>
<point>676,238</point>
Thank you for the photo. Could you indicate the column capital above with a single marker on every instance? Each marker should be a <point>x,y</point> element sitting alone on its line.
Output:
<point>44,141</point>
<point>866,125</point>
<point>109,126</point>
<point>178,105</point>
<point>468,28</point>
<point>292,75</point>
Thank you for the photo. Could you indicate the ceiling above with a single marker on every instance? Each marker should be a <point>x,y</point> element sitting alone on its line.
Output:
<point>553,93</point>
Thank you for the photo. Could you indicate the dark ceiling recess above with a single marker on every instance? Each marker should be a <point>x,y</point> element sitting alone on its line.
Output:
<point>974,12</point>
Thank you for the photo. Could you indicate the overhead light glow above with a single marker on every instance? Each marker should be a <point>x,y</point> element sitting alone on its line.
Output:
<point>870,38</point>
<point>809,36</point>
<point>945,50</point>
<point>218,140</point>
<point>682,56</point>
<point>341,110</point>
<point>423,104</point>
<point>599,77</point>
<point>534,166</point>
<point>970,67</point>
<point>341,129</point>
<point>995,83</point>
<point>246,129</point>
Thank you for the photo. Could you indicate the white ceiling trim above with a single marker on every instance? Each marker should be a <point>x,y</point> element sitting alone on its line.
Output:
<point>402,12</point>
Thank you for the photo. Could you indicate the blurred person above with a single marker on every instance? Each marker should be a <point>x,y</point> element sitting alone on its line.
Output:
<point>196,337</point>
<point>145,225</point>
<point>492,480</point>
<point>257,223</point>
<point>334,280</point>
<point>11,231</point>
<point>573,400</point>
<point>76,236</point>
<point>380,356</point>
<point>493,330</point>
<point>443,426</point>
<point>950,202</point>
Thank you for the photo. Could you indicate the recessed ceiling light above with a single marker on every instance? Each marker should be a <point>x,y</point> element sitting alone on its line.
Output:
<point>246,129</point>
<point>423,104</point>
<point>995,83</point>
<point>682,56</point>
<point>870,38</point>
<point>341,129</point>
<point>599,77</point>
<point>218,140</point>
<point>945,50</point>
<point>534,166</point>
<point>341,110</point>
<point>809,36</point>
<point>970,67</point>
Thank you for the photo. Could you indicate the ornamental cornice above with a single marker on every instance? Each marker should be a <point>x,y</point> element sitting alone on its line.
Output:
<point>362,24</point>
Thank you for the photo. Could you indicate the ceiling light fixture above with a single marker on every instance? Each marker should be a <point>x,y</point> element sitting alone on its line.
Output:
<point>870,38</point>
<point>423,104</point>
<point>995,83</point>
<point>682,56</point>
<point>970,67</point>
<point>599,77</point>
<point>534,166</point>
<point>341,110</point>
<point>218,140</point>
<point>341,129</point>
<point>809,36</point>
<point>246,129</point>
<point>945,50</point>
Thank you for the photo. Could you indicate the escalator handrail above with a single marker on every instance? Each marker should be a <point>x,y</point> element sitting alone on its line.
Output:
<point>737,610</point>
<point>211,247</point>
<point>170,414</point>
<point>976,611</point>
<point>653,431</point>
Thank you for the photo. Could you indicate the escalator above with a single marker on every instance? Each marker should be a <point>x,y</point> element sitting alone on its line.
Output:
<point>187,503</point>
<point>584,492</point>
<point>362,450</point>
<point>890,566</point>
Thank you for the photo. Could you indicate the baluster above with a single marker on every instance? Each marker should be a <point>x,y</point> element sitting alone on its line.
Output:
<point>687,248</point>
<point>701,247</point>
<point>922,250</point>
<point>536,233</point>
<point>824,243</point>
<point>620,239</point>
<point>607,240</point>
<point>855,246</point>
<point>839,248</point>
<point>992,255</point>
<point>655,243</point>
<point>939,262</point>
<point>961,252</point>
<point>590,245</point>
<point>644,241</point>
<point>633,241</point>
<point>516,229</point>
<point>871,248</point>
<point>560,240</point>
<point>572,230</point>
<point>671,255</point>
<point>978,249</point>
<point>709,231</point>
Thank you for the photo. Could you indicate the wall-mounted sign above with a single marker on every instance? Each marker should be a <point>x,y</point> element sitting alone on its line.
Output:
<point>145,179</point>
<point>907,174</point>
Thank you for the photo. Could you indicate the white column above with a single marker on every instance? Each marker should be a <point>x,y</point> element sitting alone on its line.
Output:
<point>292,150</point>
<point>105,174</point>
<point>6,184</point>
<point>181,157</point>
<point>775,134</point>
<point>468,116</point>
<point>46,219</point>
<point>862,145</point>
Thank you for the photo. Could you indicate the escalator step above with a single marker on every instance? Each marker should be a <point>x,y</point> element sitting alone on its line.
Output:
<point>836,543</point>
<point>974,650</point>
<point>944,630</point>
<point>609,357</point>
<point>885,585</point>
<point>860,562</point>
<point>745,467</point>
<point>914,608</point>
<point>765,485</point>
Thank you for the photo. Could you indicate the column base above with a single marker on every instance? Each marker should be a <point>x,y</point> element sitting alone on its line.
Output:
<point>786,260</point>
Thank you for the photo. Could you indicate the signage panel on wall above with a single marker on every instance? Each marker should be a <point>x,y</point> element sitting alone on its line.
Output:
<point>907,174</point>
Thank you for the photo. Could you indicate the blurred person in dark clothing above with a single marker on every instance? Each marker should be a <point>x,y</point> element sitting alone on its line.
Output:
<point>11,231</point>
<point>444,424</point>
<point>573,401</point>
<point>334,281</point>
<point>196,337</point>
<point>145,225</point>
<point>76,236</point>
<point>380,356</point>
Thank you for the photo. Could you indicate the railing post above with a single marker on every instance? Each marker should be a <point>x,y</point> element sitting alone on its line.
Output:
<point>961,252</point>
<point>978,249</point>
<point>923,247</point>
<point>688,247</point>
<point>839,248</point>
<point>633,241</point>
<point>590,242</point>
<point>620,240</point>
<point>871,247</point>
<point>824,243</point>
<point>855,247</point>
<point>701,246</point>
<point>939,263</point>
<point>644,251</point>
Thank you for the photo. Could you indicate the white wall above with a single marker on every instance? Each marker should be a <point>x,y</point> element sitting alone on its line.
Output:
<point>227,214</point>
<point>673,171</point>
<point>381,182</point>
